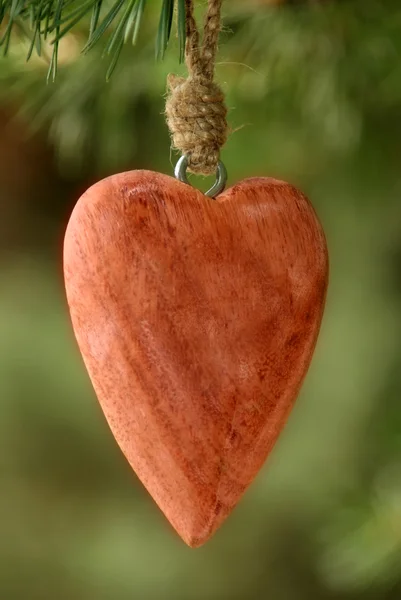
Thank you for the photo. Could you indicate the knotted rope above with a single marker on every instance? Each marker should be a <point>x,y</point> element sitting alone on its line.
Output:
<point>195,108</point>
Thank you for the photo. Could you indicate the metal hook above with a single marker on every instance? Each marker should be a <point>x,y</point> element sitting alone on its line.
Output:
<point>180,172</point>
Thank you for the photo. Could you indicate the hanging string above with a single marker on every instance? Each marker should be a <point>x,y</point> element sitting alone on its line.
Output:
<point>195,107</point>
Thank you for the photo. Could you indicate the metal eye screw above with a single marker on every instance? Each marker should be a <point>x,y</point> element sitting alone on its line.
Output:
<point>180,172</point>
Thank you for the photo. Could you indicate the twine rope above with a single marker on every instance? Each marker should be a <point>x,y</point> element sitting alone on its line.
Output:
<point>195,107</point>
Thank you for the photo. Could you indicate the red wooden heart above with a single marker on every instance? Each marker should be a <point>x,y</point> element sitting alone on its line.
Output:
<point>196,320</point>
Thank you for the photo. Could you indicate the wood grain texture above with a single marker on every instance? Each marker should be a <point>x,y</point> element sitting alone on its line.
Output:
<point>197,321</point>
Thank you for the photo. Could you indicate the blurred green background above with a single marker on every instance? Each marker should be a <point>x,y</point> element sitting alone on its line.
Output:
<point>314,90</point>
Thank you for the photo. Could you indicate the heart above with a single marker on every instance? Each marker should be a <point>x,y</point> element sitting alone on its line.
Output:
<point>197,320</point>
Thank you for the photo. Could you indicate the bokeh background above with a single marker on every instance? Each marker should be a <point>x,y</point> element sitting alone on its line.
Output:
<point>315,95</point>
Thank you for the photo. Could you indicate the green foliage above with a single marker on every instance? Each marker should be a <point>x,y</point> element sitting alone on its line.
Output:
<point>336,70</point>
<point>42,19</point>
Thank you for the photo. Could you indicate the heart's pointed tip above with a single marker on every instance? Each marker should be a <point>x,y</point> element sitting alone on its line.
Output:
<point>199,533</point>
<point>196,541</point>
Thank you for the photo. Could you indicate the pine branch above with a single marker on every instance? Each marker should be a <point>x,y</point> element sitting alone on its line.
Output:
<point>51,20</point>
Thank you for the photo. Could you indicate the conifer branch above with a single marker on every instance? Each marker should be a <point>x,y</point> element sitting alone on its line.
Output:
<point>51,20</point>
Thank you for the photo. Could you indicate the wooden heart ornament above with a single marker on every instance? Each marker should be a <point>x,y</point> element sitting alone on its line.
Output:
<point>197,320</point>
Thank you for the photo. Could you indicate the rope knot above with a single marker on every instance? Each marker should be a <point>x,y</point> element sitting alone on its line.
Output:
<point>195,109</point>
<point>196,116</point>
